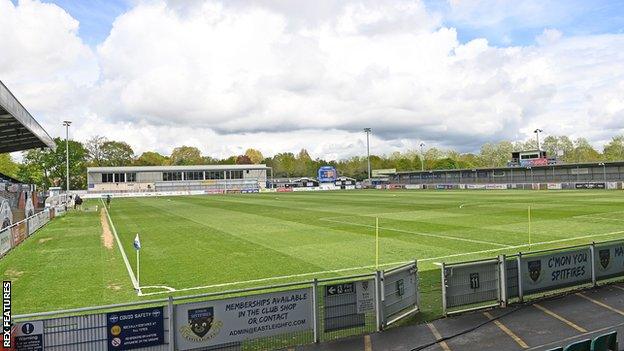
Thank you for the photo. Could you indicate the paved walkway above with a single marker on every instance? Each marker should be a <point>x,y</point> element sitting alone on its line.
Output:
<point>542,325</point>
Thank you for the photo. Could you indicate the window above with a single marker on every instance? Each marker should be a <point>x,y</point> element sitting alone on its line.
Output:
<point>107,177</point>
<point>529,156</point>
<point>130,177</point>
<point>235,175</point>
<point>214,174</point>
<point>120,177</point>
<point>172,176</point>
<point>498,173</point>
<point>194,175</point>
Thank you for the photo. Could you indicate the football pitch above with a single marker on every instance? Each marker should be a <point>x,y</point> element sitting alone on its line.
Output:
<point>197,244</point>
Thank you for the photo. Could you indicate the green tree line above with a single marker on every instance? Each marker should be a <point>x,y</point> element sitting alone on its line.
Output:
<point>46,168</point>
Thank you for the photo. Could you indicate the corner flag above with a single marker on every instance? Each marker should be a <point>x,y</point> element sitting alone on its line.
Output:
<point>137,242</point>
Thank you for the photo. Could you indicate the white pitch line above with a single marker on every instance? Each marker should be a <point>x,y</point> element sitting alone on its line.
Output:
<point>135,283</point>
<point>382,265</point>
<point>601,218</point>
<point>474,241</point>
<point>277,278</point>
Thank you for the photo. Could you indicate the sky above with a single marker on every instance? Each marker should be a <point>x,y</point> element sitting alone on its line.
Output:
<point>281,75</point>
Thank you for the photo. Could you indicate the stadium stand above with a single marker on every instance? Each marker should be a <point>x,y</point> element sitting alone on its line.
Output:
<point>18,131</point>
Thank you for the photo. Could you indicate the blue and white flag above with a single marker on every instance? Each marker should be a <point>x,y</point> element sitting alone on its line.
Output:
<point>137,242</point>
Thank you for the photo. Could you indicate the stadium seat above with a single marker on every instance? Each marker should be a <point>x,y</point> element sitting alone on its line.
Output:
<point>583,345</point>
<point>605,342</point>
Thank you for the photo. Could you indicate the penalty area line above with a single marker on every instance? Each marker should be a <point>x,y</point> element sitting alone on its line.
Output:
<point>447,237</point>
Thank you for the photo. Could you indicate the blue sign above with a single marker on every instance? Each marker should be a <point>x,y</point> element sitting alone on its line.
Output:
<point>327,174</point>
<point>134,329</point>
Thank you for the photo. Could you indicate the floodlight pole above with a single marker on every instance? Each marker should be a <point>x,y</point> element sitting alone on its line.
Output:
<point>66,124</point>
<point>422,157</point>
<point>537,131</point>
<point>368,131</point>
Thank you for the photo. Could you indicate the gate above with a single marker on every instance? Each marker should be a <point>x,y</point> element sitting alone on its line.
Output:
<point>400,292</point>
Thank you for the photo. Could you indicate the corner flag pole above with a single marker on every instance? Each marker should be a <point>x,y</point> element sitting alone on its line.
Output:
<point>376,242</point>
<point>529,227</point>
<point>138,271</point>
<point>137,248</point>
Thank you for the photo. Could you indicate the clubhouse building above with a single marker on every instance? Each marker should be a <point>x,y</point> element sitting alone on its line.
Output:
<point>207,178</point>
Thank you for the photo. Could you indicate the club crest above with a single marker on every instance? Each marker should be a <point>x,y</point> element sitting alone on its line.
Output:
<point>605,257</point>
<point>201,324</point>
<point>535,269</point>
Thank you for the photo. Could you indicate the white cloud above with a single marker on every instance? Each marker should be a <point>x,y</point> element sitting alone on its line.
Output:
<point>229,76</point>
<point>42,58</point>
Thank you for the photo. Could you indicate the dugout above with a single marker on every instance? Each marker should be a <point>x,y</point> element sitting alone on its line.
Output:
<point>345,183</point>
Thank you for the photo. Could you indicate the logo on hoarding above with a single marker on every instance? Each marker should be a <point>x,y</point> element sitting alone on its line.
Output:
<point>201,325</point>
<point>605,257</point>
<point>116,330</point>
<point>535,269</point>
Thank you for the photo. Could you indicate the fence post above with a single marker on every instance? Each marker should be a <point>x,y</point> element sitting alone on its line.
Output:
<point>417,284</point>
<point>378,313</point>
<point>315,309</point>
<point>443,277</point>
<point>592,251</point>
<point>520,288</point>
<point>170,311</point>
<point>502,276</point>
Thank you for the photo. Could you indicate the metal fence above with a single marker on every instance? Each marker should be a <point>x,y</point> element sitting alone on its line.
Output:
<point>263,318</point>
<point>497,281</point>
<point>16,233</point>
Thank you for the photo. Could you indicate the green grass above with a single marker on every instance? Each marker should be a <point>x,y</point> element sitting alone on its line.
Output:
<point>228,240</point>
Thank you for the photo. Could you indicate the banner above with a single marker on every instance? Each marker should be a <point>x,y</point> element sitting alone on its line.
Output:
<point>475,186</point>
<point>19,232</point>
<point>135,329</point>
<point>554,186</point>
<point>609,260</point>
<point>555,270</point>
<point>496,186</point>
<point>210,323</point>
<point>5,241</point>
<point>590,185</point>
<point>413,186</point>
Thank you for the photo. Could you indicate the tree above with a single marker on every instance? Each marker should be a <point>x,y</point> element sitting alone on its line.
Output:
<point>47,168</point>
<point>8,166</point>
<point>304,164</point>
<point>116,153</point>
<point>284,164</point>
<point>496,155</point>
<point>94,150</point>
<point>254,155</point>
<point>614,150</point>
<point>186,155</point>
<point>243,160</point>
<point>584,152</point>
<point>151,158</point>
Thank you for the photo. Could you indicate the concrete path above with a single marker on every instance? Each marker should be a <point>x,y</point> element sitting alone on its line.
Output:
<point>543,325</point>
